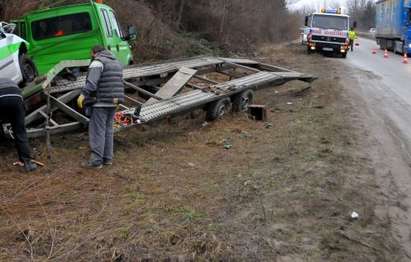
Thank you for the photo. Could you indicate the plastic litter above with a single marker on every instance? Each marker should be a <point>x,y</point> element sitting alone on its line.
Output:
<point>355,215</point>
<point>268,125</point>
<point>228,146</point>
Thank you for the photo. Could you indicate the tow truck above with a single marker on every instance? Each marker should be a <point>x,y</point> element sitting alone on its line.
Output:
<point>328,32</point>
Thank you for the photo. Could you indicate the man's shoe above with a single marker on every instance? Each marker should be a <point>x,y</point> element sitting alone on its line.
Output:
<point>29,165</point>
<point>92,165</point>
<point>108,163</point>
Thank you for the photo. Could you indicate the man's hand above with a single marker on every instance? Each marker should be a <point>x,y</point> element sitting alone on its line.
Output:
<point>80,101</point>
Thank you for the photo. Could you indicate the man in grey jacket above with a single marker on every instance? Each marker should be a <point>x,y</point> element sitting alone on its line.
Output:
<point>103,91</point>
<point>12,111</point>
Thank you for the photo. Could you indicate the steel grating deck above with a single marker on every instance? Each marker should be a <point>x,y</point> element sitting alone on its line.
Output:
<point>197,98</point>
<point>62,85</point>
<point>170,67</point>
<point>175,105</point>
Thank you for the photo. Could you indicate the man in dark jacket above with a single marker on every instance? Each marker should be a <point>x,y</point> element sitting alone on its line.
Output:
<point>12,111</point>
<point>103,91</point>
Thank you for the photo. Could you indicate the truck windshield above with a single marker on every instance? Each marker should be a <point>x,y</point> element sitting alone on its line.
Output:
<point>330,22</point>
<point>61,26</point>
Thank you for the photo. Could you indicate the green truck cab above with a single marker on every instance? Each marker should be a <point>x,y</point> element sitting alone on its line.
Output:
<point>69,33</point>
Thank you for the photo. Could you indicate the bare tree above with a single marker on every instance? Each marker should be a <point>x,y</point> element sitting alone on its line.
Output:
<point>363,12</point>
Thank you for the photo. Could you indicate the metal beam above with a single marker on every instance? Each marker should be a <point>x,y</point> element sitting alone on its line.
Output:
<point>133,100</point>
<point>63,99</point>
<point>54,123</point>
<point>194,86</point>
<point>69,111</point>
<point>54,130</point>
<point>272,68</point>
<point>206,80</point>
<point>243,67</point>
<point>141,90</point>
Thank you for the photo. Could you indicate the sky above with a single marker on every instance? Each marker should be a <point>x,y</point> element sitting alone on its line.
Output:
<point>314,4</point>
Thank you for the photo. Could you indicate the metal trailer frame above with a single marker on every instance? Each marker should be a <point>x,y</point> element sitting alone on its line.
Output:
<point>199,91</point>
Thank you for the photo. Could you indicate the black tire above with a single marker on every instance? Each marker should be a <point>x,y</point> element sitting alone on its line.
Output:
<point>218,109</point>
<point>382,44</point>
<point>344,55</point>
<point>2,134</point>
<point>28,69</point>
<point>242,100</point>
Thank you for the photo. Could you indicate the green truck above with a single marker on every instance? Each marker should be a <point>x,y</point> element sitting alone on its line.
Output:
<point>69,32</point>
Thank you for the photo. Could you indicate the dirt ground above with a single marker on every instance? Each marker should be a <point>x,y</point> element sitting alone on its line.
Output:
<point>283,192</point>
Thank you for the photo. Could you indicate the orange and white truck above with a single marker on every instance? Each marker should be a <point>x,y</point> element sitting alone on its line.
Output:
<point>327,32</point>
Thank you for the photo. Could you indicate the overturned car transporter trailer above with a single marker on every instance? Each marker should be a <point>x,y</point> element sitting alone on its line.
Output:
<point>157,91</point>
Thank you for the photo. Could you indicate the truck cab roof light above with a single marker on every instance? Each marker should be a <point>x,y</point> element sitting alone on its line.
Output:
<point>331,11</point>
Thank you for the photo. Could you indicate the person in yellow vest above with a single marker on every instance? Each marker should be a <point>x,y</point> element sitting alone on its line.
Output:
<point>352,35</point>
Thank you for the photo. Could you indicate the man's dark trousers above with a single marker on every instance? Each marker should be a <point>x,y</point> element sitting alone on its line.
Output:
<point>12,111</point>
<point>101,134</point>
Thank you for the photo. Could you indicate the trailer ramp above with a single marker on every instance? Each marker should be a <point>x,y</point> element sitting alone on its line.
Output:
<point>174,85</point>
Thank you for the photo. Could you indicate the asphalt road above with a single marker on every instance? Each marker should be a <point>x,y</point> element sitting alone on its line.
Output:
<point>392,71</point>
<point>381,88</point>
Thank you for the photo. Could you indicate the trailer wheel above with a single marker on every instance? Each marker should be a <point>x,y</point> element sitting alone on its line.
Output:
<point>218,109</point>
<point>28,69</point>
<point>243,100</point>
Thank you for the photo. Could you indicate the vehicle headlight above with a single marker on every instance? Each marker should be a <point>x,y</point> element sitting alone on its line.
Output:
<point>409,45</point>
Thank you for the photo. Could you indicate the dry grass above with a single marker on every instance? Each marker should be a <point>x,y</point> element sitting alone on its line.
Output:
<point>282,192</point>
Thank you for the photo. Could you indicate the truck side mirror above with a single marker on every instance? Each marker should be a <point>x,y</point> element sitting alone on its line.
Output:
<point>131,33</point>
<point>2,30</point>
<point>306,21</point>
<point>2,34</point>
<point>9,28</point>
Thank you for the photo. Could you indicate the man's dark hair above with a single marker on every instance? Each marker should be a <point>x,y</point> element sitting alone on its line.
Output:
<point>98,49</point>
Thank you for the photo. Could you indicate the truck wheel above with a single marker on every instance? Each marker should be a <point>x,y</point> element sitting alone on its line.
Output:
<point>28,69</point>
<point>381,42</point>
<point>344,55</point>
<point>243,100</point>
<point>218,109</point>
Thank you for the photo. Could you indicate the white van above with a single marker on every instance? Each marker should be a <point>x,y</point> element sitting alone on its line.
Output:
<point>14,63</point>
